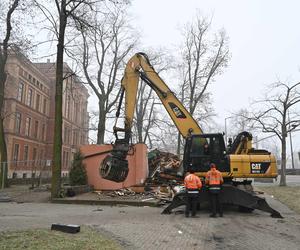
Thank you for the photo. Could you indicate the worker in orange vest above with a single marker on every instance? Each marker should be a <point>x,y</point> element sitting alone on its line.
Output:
<point>214,180</point>
<point>193,185</point>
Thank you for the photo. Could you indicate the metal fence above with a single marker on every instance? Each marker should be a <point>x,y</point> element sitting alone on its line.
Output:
<point>34,172</point>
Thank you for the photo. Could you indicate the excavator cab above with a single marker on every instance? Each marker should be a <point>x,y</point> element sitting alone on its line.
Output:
<point>201,150</point>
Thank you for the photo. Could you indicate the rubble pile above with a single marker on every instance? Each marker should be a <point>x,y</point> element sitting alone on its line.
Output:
<point>163,182</point>
<point>129,193</point>
<point>158,194</point>
<point>163,167</point>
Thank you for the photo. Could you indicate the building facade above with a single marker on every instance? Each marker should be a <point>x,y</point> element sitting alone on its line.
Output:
<point>29,118</point>
<point>75,115</point>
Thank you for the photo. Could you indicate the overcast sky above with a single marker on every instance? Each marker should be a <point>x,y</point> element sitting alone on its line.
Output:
<point>264,40</point>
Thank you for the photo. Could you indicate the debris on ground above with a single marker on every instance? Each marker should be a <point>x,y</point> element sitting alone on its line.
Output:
<point>163,182</point>
<point>163,167</point>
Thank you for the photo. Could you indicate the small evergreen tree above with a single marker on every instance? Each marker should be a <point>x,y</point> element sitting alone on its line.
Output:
<point>78,174</point>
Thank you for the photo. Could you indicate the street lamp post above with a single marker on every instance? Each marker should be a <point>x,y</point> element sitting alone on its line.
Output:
<point>291,127</point>
<point>292,151</point>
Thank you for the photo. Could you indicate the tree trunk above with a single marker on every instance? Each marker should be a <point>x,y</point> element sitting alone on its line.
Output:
<point>3,149</point>
<point>178,144</point>
<point>283,161</point>
<point>57,145</point>
<point>3,76</point>
<point>139,126</point>
<point>101,123</point>
<point>3,157</point>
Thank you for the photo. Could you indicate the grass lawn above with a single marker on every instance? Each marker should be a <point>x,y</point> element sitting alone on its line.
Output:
<point>47,239</point>
<point>290,196</point>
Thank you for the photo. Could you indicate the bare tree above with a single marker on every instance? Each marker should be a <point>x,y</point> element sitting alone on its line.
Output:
<point>204,55</point>
<point>4,50</point>
<point>67,12</point>
<point>106,45</point>
<point>239,121</point>
<point>278,114</point>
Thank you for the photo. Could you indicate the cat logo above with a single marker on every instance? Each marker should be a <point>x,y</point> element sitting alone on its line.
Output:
<point>256,166</point>
<point>177,111</point>
<point>259,167</point>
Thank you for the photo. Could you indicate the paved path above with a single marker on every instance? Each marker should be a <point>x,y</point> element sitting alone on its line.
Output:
<point>146,228</point>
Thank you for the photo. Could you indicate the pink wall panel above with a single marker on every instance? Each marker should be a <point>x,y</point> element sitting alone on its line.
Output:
<point>137,163</point>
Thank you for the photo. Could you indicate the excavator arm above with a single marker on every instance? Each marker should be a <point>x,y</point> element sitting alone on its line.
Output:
<point>139,67</point>
<point>115,166</point>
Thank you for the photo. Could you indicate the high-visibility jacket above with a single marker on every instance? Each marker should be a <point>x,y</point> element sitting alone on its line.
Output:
<point>192,181</point>
<point>214,177</point>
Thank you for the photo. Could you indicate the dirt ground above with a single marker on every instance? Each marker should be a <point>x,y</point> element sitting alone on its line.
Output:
<point>290,196</point>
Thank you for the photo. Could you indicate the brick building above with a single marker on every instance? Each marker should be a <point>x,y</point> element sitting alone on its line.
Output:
<point>29,117</point>
<point>75,115</point>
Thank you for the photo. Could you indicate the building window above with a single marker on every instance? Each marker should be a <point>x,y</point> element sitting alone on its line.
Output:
<point>44,106</point>
<point>41,155</point>
<point>64,158</point>
<point>34,156</point>
<point>67,135</point>
<point>26,151</point>
<point>68,107</point>
<point>27,126</point>
<point>76,113</point>
<point>74,138</point>
<point>16,153</point>
<point>67,160</point>
<point>24,175</point>
<point>18,123</point>
<point>21,72</point>
<point>20,91</point>
<point>36,129</point>
<point>37,102</point>
<point>29,97</point>
<point>43,132</point>
<point>14,175</point>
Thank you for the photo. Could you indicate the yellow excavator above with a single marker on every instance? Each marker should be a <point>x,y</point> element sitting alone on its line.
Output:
<point>238,162</point>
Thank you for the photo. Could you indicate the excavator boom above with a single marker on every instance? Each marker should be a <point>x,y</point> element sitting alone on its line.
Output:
<point>138,67</point>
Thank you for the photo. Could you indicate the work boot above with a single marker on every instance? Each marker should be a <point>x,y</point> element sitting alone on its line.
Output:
<point>221,215</point>
<point>213,215</point>
<point>187,215</point>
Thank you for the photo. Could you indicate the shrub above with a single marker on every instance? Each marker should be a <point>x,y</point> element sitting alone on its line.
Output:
<point>78,174</point>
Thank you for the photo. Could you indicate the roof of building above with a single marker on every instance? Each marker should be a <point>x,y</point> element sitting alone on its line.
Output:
<point>49,68</point>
